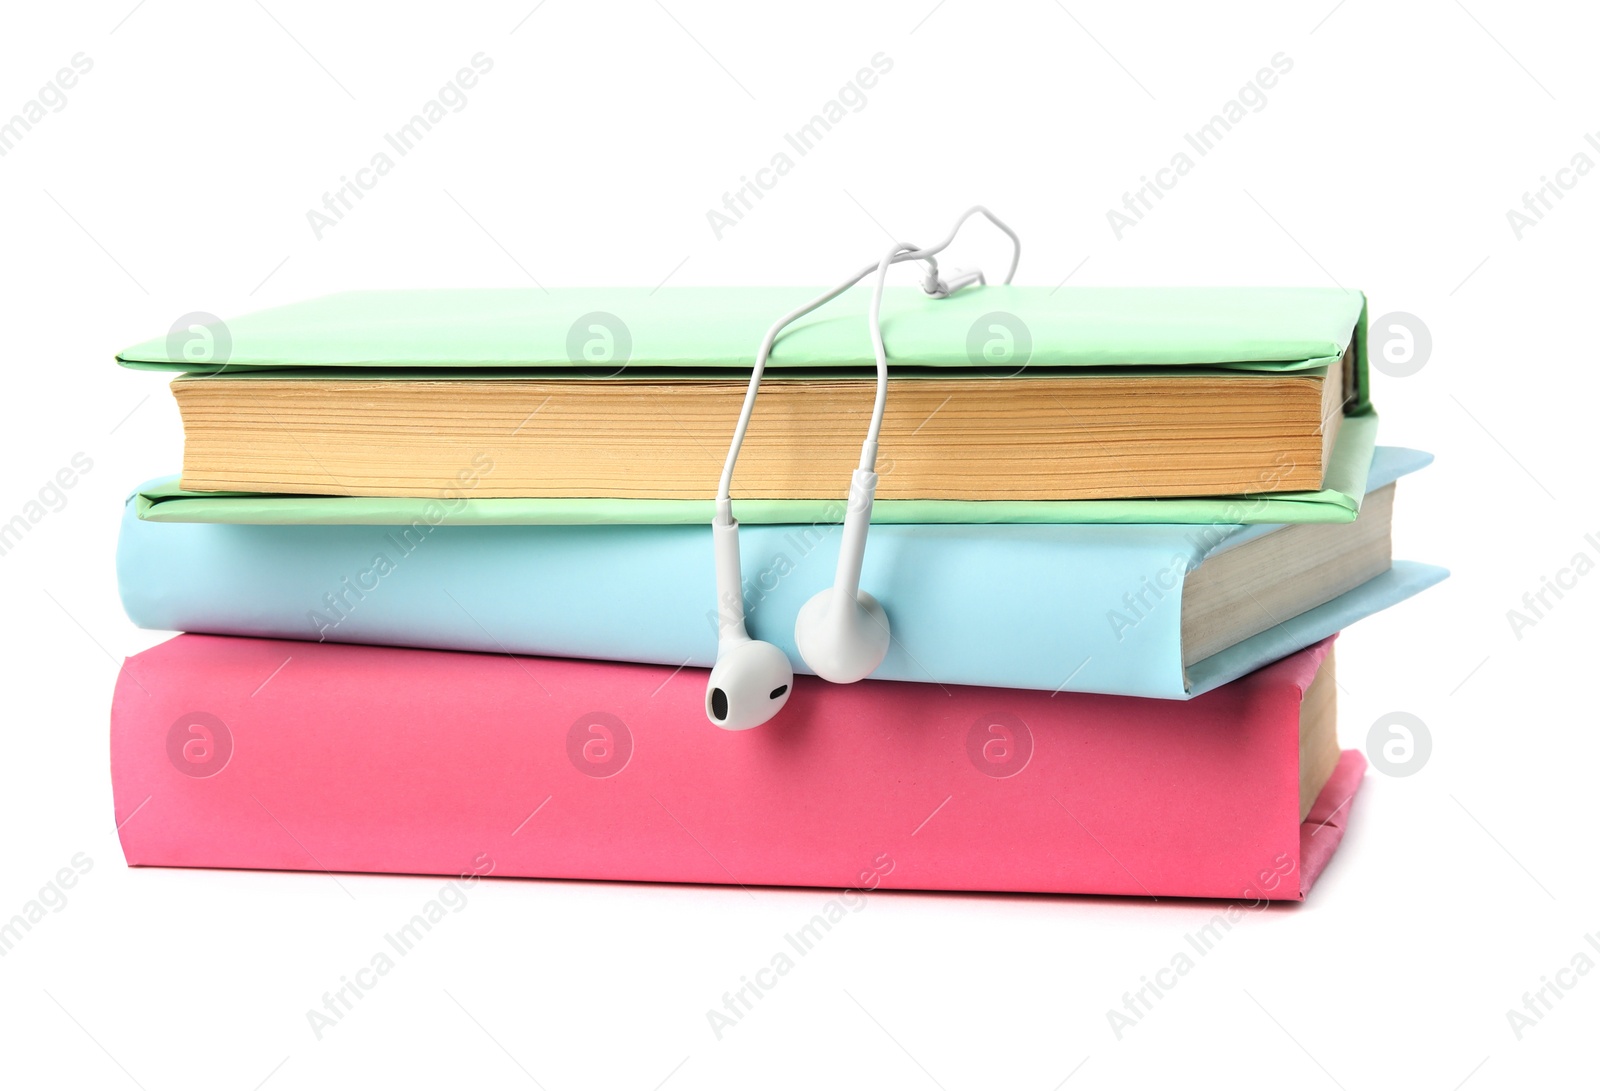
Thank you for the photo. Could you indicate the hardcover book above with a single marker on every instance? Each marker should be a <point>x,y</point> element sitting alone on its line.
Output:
<point>241,753</point>
<point>996,393</point>
<point>1140,610</point>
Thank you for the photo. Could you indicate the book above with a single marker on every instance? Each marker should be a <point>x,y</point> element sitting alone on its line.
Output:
<point>243,753</point>
<point>1140,610</point>
<point>998,393</point>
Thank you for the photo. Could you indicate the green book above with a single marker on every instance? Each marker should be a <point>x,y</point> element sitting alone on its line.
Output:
<point>1005,403</point>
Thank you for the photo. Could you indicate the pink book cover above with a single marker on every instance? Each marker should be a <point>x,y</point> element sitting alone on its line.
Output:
<point>242,753</point>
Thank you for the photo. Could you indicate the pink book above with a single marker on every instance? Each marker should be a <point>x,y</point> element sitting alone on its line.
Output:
<point>242,753</point>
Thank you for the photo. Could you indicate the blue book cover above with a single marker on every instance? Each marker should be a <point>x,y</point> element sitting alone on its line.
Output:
<point>1066,607</point>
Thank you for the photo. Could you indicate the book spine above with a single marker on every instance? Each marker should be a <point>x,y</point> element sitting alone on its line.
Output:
<point>242,753</point>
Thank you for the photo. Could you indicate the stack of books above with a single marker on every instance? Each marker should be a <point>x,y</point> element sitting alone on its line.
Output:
<point>443,566</point>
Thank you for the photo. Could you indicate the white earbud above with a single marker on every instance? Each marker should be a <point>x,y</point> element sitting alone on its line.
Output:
<point>842,632</point>
<point>752,679</point>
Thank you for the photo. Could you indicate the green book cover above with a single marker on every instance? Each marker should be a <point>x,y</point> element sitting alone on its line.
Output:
<point>598,332</point>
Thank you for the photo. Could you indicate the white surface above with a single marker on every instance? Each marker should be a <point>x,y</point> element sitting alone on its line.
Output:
<point>177,178</point>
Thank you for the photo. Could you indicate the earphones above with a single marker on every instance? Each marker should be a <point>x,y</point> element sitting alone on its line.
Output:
<point>842,631</point>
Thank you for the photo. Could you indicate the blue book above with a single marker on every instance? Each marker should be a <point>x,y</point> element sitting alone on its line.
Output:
<point>1153,610</point>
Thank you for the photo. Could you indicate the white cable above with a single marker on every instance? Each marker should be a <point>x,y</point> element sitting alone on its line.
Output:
<point>932,284</point>
<point>725,488</point>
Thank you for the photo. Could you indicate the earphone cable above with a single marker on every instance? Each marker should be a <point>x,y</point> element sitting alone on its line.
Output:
<point>901,252</point>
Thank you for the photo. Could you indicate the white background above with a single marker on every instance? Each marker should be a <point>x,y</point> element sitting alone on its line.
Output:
<point>177,178</point>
